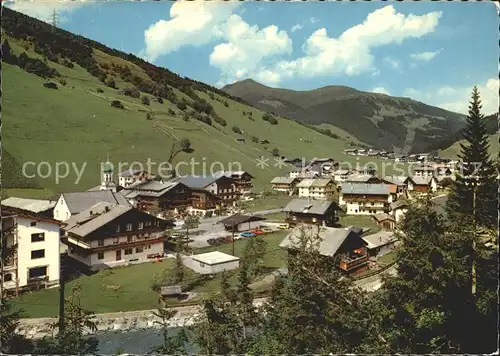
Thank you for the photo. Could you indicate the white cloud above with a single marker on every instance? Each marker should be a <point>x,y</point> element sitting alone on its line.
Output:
<point>296,27</point>
<point>425,56</point>
<point>196,23</point>
<point>246,47</point>
<point>192,23</point>
<point>457,98</point>
<point>381,90</point>
<point>44,9</point>
<point>313,20</point>
<point>392,62</point>
<point>350,53</point>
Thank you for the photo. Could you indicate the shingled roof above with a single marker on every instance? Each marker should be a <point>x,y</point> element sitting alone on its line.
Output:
<point>366,189</point>
<point>317,207</point>
<point>330,238</point>
<point>79,201</point>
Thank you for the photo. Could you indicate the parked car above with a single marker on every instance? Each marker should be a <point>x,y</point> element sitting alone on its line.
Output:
<point>267,229</point>
<point>257,232</point>
<point>247,234</point>
<point>284,226</point>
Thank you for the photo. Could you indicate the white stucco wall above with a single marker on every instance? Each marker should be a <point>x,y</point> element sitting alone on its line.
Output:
<point>201,268</point>
<point>61,211</point>
<point>248,226</point>
<point>50,245</point>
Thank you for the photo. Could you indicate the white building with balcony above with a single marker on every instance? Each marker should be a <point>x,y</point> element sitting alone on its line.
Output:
<point>34,241</point>
<point>316,188</point>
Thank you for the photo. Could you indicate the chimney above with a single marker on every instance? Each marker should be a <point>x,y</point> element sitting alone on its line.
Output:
<point>106,209</point>
<point>91,212</point>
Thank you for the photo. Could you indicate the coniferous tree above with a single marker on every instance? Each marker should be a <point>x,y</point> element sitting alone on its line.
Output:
<point>172,345</point>
<point>477,173</point>
<point>316,310</point>
<point>428,300</point>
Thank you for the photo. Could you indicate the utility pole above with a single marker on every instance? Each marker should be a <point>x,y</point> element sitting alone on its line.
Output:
<point>232,229</point>
<point>62,282</point>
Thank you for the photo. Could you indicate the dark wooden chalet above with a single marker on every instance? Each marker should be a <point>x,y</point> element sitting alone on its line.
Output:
<point>345,248</point>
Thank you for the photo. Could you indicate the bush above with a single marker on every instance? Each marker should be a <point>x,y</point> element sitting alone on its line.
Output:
<point>181,105</point>
<point>117,104</point>
<point>237,130</point>
<point>185,116</point>
<point>99,90</point>
<point>160,100</point>
<point>275,152</point>
<point>63,81</point>
<point>149,116</point>
<point>220,120</point>
<point>226,104</point>
<point>171,112</point>
<point>269,118</point>
<point>132,92</point>
<point>145,100</point>
<point>212,96</point>
<point>50,85</point>
<point>255,139</point>
<point>111,83</point>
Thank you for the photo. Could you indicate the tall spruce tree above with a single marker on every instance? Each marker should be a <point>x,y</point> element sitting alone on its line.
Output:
<point>428,301</point>
<point>475,187</point>
<point>316,310</point>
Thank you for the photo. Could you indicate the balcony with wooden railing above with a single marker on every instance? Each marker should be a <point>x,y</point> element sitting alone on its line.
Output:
<point>354,260</point>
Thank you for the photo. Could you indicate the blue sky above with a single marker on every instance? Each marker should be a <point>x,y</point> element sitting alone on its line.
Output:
<point>432,52</point>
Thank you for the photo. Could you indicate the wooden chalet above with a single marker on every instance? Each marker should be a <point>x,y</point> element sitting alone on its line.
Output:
<point>365,199</point>
<point>156,196</point>
<point>108,235</point>
<point>242,181</point>
<point>344,247</point>
<point>204,202</point>
<point>318,212</point>
<point>384,221</point>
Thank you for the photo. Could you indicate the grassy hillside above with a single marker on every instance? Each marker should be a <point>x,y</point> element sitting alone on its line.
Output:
<point>376,119</point>
<point>454,150</point>
<point>76,126</point>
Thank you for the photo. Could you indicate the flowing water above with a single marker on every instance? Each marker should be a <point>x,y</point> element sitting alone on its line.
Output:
<point>136,342</point>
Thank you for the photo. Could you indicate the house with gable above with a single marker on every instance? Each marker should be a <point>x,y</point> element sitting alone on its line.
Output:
<point>132,176</point>
<point>158,197</point>
<point>108,235</point>
<point>34,242</point>
<point>70,204</point>
<point>365,199</point>
<point>320,212</point>
<point>220,185</point>
<point>342,246</point>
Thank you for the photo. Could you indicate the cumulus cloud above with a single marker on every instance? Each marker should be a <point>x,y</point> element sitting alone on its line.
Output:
<point>350,53</point>
<point>43,9</point>
<point>457,98</point>
<point>245,47</point>
<point>296,27</point>
<point>242,48</point>
<point>381,90</point>
<point>425,56</point>
<point>313,20</point>
<point>192,23</point>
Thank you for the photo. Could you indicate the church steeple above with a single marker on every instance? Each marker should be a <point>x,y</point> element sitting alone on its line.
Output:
<point>107,175</point>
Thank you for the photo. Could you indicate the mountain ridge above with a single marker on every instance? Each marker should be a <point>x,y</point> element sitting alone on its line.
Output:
<point>379,119</point>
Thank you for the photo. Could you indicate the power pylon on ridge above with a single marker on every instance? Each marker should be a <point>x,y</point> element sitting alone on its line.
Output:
<point>53,19</point>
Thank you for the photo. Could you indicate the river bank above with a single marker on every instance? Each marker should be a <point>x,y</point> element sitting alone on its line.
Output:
<point>131,321</point>
<point>37,328</point>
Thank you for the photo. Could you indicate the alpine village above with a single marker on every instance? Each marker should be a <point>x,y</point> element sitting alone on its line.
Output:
<point>311,246</point>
